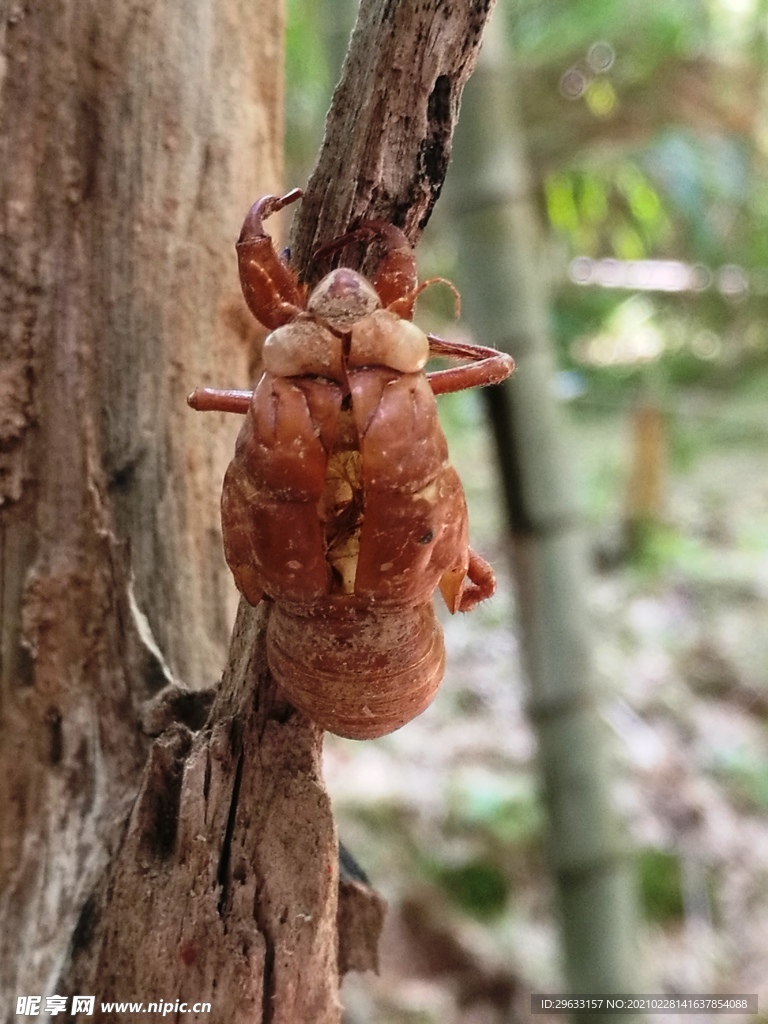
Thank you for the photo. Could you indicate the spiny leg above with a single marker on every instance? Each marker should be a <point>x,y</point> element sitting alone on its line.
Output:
<point>479,584</point>
<point>270,287</point>
<point>488,366</point>
<point>467,583</point>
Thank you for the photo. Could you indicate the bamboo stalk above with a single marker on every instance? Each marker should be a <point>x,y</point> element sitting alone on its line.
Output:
<point>502,281</point>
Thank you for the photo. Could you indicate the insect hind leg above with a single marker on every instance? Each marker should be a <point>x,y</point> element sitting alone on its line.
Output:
<point>479,584</point>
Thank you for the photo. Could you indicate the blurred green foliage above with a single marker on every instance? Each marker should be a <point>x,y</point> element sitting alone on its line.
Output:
<point>546,30</point>
<point>478,887</point>
<point>646,126</point>
<point>745,774</point>
<point>506,808</point>
<point>660,550</point>
<point>309,81</point>
<point>661,888</point>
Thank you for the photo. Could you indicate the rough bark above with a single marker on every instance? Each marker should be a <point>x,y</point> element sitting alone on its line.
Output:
<point>205,901</point>
<point>130,137</point>
<point>223,882</point>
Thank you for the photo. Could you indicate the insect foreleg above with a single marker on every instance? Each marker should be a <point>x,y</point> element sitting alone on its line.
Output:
<point>270,287</point>
<point>468,583</point>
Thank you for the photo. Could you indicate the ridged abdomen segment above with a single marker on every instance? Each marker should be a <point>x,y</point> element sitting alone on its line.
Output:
<point>362,674</point>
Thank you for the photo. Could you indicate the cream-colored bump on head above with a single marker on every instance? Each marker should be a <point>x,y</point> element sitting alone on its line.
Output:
<point>342,298</point>
<point>303,348</point>
<point>385,339</point>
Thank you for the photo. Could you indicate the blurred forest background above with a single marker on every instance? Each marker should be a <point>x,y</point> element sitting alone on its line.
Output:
<point>646,127</point>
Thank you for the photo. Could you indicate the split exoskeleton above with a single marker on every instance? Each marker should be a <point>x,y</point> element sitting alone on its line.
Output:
<point>340,505</point>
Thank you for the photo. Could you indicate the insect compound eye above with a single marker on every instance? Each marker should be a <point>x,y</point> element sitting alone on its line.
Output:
<point>384,339</point>
<point>342,298</point>
<point>302,349</point>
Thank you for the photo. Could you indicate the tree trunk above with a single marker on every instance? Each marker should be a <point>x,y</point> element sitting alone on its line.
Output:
<point>133,138</point>
<point>124,198</point>
<point>501,275</point>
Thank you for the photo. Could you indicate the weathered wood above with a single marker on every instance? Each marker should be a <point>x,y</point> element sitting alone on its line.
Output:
<point>205,901</point>
<point>130,137</point>
<point>388,133</point>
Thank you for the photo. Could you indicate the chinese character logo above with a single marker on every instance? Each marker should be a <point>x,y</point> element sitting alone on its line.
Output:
<point>28,1006</point>
<point>83,1004</point>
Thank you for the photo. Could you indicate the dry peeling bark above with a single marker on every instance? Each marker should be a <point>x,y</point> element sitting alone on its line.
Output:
<point>205,901</point>
<point>388,134</point>
<point>222,883</point>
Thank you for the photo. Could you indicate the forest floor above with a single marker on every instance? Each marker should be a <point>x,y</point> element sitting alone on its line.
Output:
<point>445,815</point>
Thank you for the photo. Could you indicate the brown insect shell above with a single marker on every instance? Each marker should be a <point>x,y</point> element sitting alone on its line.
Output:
<point>377,337</point>
<point>360,664</point>
<point>362,675</point>
<point>273,537</point>
<point>415,528</point>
